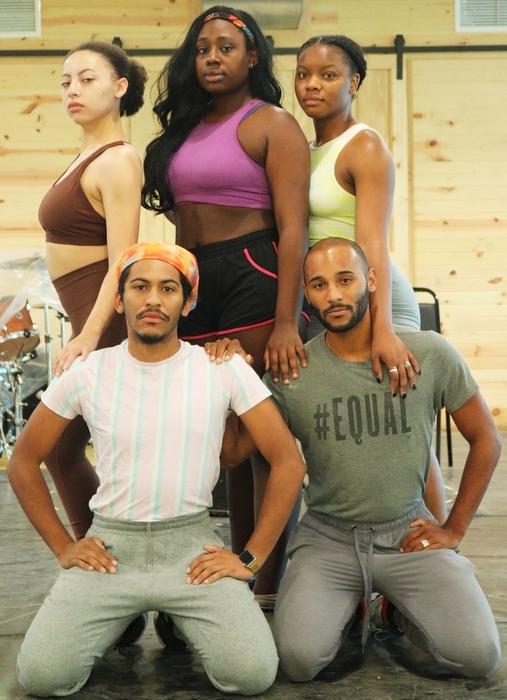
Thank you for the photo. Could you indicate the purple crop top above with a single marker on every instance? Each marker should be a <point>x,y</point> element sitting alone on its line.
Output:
<point>211,167</point>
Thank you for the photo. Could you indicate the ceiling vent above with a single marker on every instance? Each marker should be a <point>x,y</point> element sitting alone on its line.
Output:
<point>270,14</point>
<point>20,18</point>
<point>481,15</point>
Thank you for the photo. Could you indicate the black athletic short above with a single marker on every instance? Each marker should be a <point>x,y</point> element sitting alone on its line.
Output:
<point>237,286</point>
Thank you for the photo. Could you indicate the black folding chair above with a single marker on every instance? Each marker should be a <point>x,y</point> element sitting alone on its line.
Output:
<point>429,308</point>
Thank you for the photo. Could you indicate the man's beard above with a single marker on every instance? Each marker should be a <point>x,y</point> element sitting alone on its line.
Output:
<point>361,308</point>
<point>148,339</point>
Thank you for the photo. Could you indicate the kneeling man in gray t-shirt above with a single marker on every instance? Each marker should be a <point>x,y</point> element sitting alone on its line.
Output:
<point>367,453</point>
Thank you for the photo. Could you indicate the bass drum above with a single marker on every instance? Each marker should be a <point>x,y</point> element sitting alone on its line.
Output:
<point>19,336</point>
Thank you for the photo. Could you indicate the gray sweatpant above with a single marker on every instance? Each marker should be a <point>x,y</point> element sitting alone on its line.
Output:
<point>440,604</point>
<point>85,612</point>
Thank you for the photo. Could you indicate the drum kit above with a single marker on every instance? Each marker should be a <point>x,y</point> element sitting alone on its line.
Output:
<point>25,364</point>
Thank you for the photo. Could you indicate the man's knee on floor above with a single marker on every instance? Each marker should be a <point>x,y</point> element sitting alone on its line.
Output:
<point>46,680</point>
<point>474,655</point>
<point>481,658</point>
<point>301,660</point>
<point>250,675</point>
<point>297,670</point>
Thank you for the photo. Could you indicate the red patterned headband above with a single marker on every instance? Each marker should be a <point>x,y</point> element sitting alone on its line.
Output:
<point>236,21</point>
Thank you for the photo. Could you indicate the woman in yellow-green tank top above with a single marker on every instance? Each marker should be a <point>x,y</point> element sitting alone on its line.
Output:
<point>352,186</point>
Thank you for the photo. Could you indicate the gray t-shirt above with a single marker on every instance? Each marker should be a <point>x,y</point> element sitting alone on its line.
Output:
<point>367,452</point>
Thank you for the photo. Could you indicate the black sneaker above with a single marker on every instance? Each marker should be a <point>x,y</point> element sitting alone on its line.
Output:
<point>164,627</point>
<point>132,633</point>
<point>266,601</point>
<point>382,624</point>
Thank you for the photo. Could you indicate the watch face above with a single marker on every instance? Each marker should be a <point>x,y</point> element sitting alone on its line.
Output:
<point>246,558</point>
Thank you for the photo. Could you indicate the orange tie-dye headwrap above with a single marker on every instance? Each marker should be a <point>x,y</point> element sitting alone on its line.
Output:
<point>175,255</point>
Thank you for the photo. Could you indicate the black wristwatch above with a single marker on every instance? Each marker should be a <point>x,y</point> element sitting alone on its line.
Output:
<point>249,561</point>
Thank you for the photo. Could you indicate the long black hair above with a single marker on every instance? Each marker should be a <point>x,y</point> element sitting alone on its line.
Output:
<point>351,51</point>
<point>182,102</point>
<point>124,67</point>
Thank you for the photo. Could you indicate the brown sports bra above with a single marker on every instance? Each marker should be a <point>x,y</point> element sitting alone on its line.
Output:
<point>65,213</point>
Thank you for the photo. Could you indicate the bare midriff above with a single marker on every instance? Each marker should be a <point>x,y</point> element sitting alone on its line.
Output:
<point>62,258</point>
<point>201,224</point>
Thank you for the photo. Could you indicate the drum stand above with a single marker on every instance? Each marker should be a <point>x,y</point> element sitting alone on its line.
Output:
<point>47,344</point>
<point>12,382</point>
<point>62,336</point>
<point>11,377</point>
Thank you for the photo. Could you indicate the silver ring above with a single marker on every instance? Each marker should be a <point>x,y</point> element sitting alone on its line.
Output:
<point>424,543</point>
<point>394,370</point>
<point>407,363</point>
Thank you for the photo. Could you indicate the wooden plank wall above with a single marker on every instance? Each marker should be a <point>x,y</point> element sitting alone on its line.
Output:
<point>159,23</point>
<point>449,224</point>
<point>459,206</point>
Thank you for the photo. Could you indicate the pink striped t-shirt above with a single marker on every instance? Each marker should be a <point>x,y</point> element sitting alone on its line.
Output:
<point>157,427</point>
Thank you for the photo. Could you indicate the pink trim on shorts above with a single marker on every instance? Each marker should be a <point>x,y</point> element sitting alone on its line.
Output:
<point>258,267</point>
<point>229,330</point>
<point>237,330</point>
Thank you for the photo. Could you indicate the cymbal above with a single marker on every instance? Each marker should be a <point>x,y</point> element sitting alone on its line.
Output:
<point>27,278</point>
<point>22,264</point>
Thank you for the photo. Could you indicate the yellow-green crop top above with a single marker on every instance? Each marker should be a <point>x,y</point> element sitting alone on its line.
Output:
<point>332,209</point>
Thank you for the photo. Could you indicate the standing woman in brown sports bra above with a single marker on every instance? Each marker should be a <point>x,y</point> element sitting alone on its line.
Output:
<point>90,215</point>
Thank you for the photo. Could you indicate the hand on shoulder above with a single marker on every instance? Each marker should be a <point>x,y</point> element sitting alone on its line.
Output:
<point>224,349</point>
<point>79,347</point>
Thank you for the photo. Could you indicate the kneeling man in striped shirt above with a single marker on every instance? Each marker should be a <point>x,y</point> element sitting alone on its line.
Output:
<point>156,409</point>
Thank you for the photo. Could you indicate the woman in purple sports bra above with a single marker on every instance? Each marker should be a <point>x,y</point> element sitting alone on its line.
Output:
<point>90,215</point>
<point>231,169</point>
